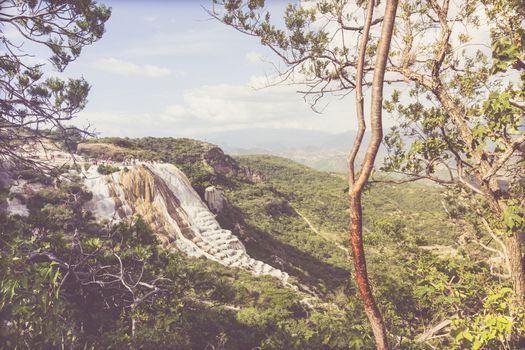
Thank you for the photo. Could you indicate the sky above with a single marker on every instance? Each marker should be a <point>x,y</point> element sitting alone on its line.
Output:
<point>166,68</point>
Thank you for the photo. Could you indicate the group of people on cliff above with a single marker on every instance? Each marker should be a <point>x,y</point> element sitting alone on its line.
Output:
<point>125,162</point>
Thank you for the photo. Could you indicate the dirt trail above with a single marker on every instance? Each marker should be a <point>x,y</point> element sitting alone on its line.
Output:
<point>320,233</point>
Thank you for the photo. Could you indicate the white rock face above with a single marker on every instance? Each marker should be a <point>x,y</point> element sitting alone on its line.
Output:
<point>5,175</point>
<point>16,207</point>
<point>215,199</point>
<point>18,192</point>
<point>162,195</point>
<point>102,205</point>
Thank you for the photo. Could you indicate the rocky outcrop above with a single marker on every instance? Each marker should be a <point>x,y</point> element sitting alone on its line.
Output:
<point>162,195</point>
<point>223,164</point>
<point>17,190</point>
<point>252,175</point>
<point>159,193</point>
<point>215,199</point>
<point>279,208</point>
<point>219,162</point>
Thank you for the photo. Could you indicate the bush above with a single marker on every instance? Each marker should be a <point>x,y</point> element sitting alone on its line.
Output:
<point>107,169</point>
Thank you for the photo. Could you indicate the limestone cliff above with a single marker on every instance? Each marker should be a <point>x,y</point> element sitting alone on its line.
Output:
<point>162,195</point>
<point>159,192</point>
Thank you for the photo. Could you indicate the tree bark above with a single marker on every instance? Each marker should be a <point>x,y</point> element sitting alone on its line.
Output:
<point>359,98</point>
<point>361,274</point>
<point>513,244</point>
<point>490,187</point>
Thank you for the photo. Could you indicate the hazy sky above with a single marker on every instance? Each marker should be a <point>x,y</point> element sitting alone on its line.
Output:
<point>164,68</point>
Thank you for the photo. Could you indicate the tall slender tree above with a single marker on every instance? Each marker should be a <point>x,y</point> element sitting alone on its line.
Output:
<point>357,183</point>
<point>311,52</point>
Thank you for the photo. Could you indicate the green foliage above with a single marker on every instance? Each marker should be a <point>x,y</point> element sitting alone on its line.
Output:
<point>30,301</point>
<point>514,217</point>
<point>464,131</point>
<point>36,107</point>
<point>107,169</point>
<point>66,281</point>
<point>465,141</point>
<point>320,196</point>
<point>413,288</point>
<point>69,138</point>
<point>493,327</point>
<point>509,37</point>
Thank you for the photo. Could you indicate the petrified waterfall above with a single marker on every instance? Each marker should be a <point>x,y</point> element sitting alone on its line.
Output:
<point>162,195</point>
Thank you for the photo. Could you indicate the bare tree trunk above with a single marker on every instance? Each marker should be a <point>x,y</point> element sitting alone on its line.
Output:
<point>359,98</point>
<point>356,186</point>
<point>361,274</point>
<point>513,244</point>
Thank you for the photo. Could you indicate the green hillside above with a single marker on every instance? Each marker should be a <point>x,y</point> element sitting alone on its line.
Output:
<point>287,215</point>
<point>321,197</point>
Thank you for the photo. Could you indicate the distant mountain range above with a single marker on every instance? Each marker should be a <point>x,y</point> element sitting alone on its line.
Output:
<point>317,149</point>
<point>279,139</point>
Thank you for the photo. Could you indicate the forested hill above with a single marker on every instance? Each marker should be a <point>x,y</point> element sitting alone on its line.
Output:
<point>70,280</point>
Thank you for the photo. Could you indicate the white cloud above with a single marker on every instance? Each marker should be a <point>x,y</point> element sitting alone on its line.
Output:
<point>220,107</point>
<point>176,110</point>
<point>215,108</point>
<point>254,58</point>
<point>151,18</point>
<point>226,104</point>
<point>120,67</point>
<point>126,123</point>
<point>12,34</point>
<point>179,43</point>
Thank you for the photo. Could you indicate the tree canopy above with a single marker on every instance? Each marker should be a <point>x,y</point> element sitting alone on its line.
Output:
<point>36,108</point>
<point>457,74</point>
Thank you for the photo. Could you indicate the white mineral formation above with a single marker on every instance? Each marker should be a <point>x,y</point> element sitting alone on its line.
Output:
<point>215,199</point>
<point>16,207</point>
<point>17,194</point>
<point>162,195</point>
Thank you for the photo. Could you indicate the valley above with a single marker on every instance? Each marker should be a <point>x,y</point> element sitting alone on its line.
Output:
<point>278,220</point>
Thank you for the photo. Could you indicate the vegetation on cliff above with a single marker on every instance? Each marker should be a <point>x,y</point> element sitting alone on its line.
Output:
<point>67,281</point>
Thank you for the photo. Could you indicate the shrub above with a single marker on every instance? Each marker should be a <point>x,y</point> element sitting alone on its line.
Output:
<point>107,169</point>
